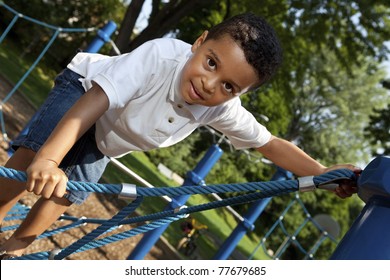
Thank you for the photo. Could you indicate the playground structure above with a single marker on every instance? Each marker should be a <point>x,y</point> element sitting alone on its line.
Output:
<point>365,239</point>
<point>374,193</point>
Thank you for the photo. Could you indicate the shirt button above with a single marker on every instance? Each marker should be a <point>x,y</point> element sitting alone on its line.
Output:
<point>171,119</point>
<point>180,105</point>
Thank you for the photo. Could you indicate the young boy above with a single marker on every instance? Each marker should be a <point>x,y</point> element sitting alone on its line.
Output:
<point>155,96</point>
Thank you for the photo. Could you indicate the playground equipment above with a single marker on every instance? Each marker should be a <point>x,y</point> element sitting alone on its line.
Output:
<point>56,31</point>
<point>249,219</point>
<point>103,36</point>
<point>368,238</point>
<point>252,191</point>
<point>195,177</point>
<point>374,193</point>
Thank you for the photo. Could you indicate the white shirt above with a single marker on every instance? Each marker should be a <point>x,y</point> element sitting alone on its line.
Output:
<point>146,110</point>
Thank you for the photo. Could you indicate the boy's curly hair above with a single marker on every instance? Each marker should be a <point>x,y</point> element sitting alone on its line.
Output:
<point>257,39</point>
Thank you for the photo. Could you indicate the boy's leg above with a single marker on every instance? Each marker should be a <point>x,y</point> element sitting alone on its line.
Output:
<point>40,217</point>
<point>84,162</point>
<point>11,190</point>
<point>66,92</point>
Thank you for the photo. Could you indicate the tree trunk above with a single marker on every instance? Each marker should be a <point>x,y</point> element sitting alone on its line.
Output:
<point>162,20</point>
<point>128,23</point>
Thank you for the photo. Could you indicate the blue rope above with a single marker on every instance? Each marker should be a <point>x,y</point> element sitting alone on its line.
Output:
<point>163,218</point>
<point>269,187</point>
<point>56,31</point>
<point>257,190</point>
<point>9,27</point>
<point>127,234</point>
<point>101,229</point>
<point>106,240</point>
<point>50,26</point>
<point>279,223</point>
<point>61,229</point>
<point>34,256</point>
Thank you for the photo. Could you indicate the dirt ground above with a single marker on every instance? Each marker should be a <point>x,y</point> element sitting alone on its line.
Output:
<point>17,111</point>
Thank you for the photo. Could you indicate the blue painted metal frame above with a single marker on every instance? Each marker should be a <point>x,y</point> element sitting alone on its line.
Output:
<point>368,238</point>
<point>250,217</point>
<point>195,177</point>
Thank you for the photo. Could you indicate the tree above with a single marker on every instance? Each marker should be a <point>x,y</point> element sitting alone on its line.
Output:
<point>65,14</point>
<point>378,129</point>
<point>164,18</point>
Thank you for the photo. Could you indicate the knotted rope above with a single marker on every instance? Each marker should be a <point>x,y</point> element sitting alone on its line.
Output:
<point>271,187</point>
<point>252,191</point>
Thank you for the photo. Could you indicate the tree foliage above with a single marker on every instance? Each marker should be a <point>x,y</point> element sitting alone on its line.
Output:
<point>65,14</point>
<point>378,131</point>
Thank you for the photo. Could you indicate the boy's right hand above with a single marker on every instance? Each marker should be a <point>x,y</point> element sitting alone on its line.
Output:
<point>46,179</point>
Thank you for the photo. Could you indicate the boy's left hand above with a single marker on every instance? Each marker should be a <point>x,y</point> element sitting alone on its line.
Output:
<point>347,187</point>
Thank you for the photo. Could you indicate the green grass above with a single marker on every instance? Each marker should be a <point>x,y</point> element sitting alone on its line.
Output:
<point>219,221</point>
<point>13,66</point>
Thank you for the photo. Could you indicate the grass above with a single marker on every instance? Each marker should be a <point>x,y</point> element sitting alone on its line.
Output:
<point>13,65</point>
<point>219,221</point>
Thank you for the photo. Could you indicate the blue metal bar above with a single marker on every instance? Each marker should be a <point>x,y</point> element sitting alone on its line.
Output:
<point>368,238</point>
<point>249,219</point>
<point>193,177</point>
<point>102,37</point>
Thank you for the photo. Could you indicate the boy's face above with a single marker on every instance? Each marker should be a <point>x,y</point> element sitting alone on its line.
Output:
<point>216,72</point>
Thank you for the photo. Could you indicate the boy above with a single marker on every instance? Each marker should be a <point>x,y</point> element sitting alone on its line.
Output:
<point>153,97</point>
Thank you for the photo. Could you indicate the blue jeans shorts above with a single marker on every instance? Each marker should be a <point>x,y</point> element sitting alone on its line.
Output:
<point>84,162</point>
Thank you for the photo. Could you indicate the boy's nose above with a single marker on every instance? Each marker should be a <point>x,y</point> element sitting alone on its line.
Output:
<point>209,84</point>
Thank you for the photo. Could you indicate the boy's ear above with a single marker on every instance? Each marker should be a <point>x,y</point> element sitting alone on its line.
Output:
<point>199,41</point>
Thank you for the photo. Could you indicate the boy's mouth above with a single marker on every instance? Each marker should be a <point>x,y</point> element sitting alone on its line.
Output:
<point>194,94</point>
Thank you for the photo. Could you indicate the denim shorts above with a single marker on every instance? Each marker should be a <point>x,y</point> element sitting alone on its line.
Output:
<point>84,162</point>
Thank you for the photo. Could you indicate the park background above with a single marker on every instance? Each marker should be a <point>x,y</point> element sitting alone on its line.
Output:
<point>330,97</point>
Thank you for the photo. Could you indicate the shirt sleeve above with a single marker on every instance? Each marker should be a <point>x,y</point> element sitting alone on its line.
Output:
<point>241,127</point>
<point>124,77</point>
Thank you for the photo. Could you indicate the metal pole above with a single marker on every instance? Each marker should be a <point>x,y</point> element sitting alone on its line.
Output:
<point>102,37</point>
<point>249,219</point>
<point>195,177</point>
<point>368,238</point>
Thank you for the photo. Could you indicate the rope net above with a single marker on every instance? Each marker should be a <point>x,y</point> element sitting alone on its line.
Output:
<point>247,193</point>
<point>54,32</point>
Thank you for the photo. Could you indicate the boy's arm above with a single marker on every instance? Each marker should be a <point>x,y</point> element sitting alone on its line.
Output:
<point>288,156</point>
<point>44,176</point>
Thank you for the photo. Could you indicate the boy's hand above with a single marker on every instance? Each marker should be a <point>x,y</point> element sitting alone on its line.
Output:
<point>347,188</point>
<point>46,179</point>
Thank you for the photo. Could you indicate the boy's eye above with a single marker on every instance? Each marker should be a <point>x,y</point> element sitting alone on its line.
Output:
<point>228,87</point>
<point>211,63</point>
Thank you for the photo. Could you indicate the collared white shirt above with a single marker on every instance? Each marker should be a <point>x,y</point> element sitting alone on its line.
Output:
<point>146,109</point>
